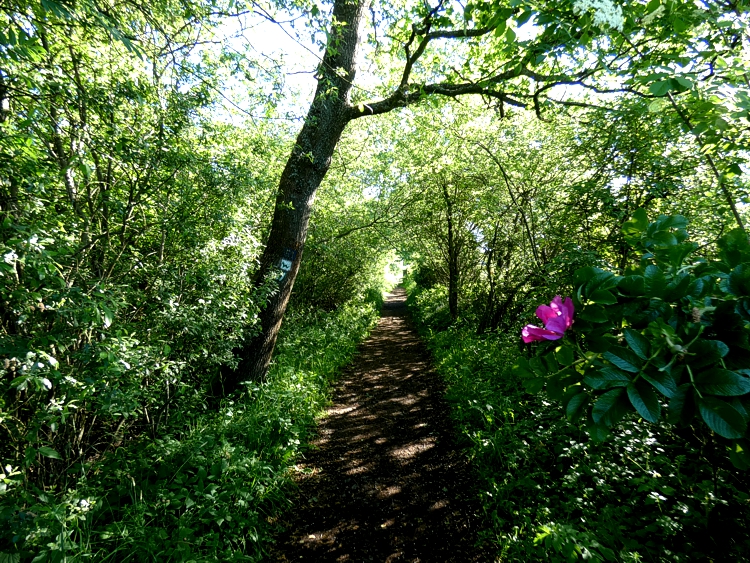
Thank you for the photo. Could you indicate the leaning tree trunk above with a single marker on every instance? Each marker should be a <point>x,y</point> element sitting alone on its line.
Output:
<point>303,173</point>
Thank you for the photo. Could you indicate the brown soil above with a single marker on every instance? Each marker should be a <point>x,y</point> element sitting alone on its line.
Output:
<point>385,481</point>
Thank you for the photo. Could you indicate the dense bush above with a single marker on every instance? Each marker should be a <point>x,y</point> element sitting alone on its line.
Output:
<point>649,493</point>
<point>673,328</point>
<point>205,490</point>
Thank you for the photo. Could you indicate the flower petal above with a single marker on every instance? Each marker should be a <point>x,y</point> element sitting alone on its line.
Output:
<point>557,325</point>
<point>531,333</point>
<point>545,313</point>
<point>568,311</point>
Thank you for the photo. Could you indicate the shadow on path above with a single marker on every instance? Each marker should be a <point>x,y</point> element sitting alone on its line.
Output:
<point>384,482</point>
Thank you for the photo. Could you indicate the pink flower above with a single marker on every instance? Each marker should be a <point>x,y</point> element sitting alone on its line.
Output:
<point>557,318</point>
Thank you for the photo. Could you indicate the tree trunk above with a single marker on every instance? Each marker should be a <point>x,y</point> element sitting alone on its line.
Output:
<point>303,173</point>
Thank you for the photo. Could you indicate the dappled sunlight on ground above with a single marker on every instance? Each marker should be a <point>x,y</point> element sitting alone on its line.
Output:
<point>384,482</point>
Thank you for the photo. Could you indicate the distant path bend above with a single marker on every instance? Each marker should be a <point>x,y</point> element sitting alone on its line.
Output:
<point>385,482</point>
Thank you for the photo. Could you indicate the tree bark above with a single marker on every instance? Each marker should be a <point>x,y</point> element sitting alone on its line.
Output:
<point>303,173</point>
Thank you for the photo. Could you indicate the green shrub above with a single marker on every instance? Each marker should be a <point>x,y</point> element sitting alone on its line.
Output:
<point>649,493</point>
<point>206,490</point>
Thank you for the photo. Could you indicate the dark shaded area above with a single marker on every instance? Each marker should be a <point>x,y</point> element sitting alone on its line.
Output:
<point>385,481</point>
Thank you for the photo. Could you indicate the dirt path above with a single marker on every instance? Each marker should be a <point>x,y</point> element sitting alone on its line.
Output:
<point>385,482</point>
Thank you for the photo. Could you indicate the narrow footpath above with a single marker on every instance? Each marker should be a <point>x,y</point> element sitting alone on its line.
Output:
<point>384,482</point>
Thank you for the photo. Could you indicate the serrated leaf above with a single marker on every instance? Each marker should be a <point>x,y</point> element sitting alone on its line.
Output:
<point>576,406</point>
<point>707,352</point>
<point>722,382</point>
<point>606,378</point>
<point>623,359</point>
<point>722,418</point>
<point>656,283</point>
<point>681,405</point>
<point>608,408</point>
<point>644,400</point>
<point>637,342</point>
<point>663,382</point>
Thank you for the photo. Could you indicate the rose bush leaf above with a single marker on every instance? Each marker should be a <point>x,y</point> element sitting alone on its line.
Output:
<point>722,418</point>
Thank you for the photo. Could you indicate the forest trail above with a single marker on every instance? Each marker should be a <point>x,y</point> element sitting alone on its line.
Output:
<point>385,481</point>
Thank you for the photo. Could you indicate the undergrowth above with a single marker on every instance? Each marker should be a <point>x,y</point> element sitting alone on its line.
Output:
<point>205,490</point>
<point>649,493</point>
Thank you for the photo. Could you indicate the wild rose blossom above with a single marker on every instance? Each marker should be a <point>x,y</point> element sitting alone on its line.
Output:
<point>557,318</point>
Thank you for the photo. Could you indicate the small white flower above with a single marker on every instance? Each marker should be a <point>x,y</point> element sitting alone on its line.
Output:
<point>606,13</point>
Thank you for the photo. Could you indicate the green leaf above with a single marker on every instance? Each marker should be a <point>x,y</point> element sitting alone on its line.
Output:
<point>167,349</point>
<point>538,367</point>
<point>671,222</point>
<point>500,29</point>
<point>682,405</point>
<point>738,282</point>
<point>109,316</point>
<point>684,82</point>
<point>644,400</point>
<point>594,314</point>
<point>632,285</point>
<point>598,343</point>
<point>656,283</point>
<point>739,454</point>
<point>678,253</point>
<point>722,382</point>
<point>594,278</point>
<point>606,378</point>
<point>576,406</point>
<point>48,452</point>
<point>603,297</point>
<point>565,355</point>
<point>609,408</point>
<point>534,385</point>
<point>735,169</point>
<point>722,418</point>
<point>707,352</point>
<point>623,359</point>
<point>637,223</point>
<point>637,343</point>
<point>598,432</point>
<point>664,382</point>
<point>660,88</point>
<point>677,288</point>
<point>734,247</point>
